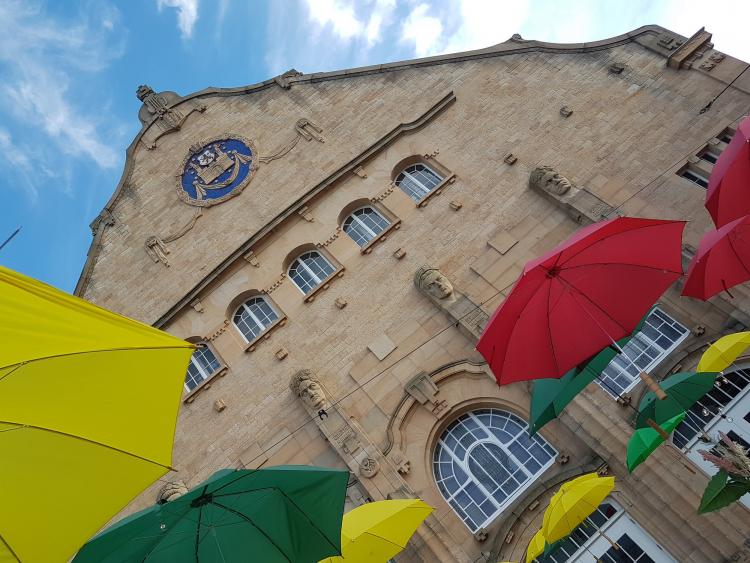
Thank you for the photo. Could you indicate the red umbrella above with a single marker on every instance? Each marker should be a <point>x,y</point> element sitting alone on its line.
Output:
<point>728,194</point>
<point>722,260</point>
<point>582,296</point>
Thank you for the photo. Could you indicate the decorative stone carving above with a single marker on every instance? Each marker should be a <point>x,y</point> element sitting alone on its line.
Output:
<point>616,68</point>
<point>360,172</point>
<point>549,180</point>
<point>220,405</point>
<point>481,535</point>
<point>197,305</point>
<point>251,259</point>
<point>281,353</point>
<point>368,467</point>
<point>308,130</point>
<point>455,205</point>
<point>283,79</point>
<point>565,111</point>
<point>510,159</point>
<point>159,112</point>
<point>430,281</point>
<point>341,302</point>
<point>156,249</point>
<point>399,253</point>
<point>400,462</point>
<point>424,391</point>
<point>103,220</point>
<point>171,491</point>
<point>304,212</point>
<point>307,387</point>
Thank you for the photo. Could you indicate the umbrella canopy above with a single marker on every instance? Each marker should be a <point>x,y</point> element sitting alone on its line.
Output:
<point>536,547</point>
<point>89,403</point>
<point>721,262</point>
<point>584,295</point>
<point>683,391</point>
<point>645,440</point>
<point>550,396</point>
<point>722,353</point>
<point>728,194</point>
<point>376,531</point>
<point>575,501</point>
<point>280,514</point>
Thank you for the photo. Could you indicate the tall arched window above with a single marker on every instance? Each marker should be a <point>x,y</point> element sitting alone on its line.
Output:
<point>484,460</point>
<point>309,270</point>
<point>364,224</point>
<point>253,317</point>
<point>203,364</point>
<point>418,180</point>
<point>724,409</point>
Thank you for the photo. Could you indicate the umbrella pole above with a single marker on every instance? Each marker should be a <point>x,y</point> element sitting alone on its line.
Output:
<point>653,385</point>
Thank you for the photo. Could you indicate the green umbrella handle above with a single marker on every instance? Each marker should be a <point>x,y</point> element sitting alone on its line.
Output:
<point>653,385</point>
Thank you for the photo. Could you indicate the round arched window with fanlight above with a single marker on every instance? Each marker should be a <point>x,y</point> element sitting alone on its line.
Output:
<point>484,460</point>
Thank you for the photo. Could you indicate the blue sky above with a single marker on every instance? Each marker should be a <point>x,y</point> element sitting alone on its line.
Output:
<point>69,71</point>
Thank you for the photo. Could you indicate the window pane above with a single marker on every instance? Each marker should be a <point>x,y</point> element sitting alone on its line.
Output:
<point>418,180</point>
<point>364,225</point>
<point>203,364</point>
<point>309,270</point>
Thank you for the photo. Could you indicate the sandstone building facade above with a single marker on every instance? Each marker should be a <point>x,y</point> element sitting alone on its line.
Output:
<point>337,241</point>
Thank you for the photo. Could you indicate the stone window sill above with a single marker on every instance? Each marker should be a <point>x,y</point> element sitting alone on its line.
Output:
<point>205,384</point>
<point>451,178</point>
<point>325,284</point>
<point>382,236</point>
<point>266,334</point>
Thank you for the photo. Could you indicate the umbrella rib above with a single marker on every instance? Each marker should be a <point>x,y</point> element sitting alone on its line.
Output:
<point>13,553</point>
<point>734,251</point>
<point>628,264</point>
<point>549,329</point>
<point>198,530</point>
<point>249,521</point>
<point>595,304</point>
<point>82,352</point>
<point>161,539</point>
<point>381,538</point>
<point>294,504</point>
<point>42,428</point>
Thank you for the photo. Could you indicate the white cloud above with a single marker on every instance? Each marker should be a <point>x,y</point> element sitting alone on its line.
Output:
<point>486,22</point>
<point>423,30</point>
<point>337,14</point>
<point>45,64</point>
<point>380,17</point>
<point>187,14</point>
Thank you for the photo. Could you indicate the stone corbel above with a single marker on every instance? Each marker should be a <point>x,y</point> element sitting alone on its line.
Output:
<point>283,79</point>
<point>157,250</point>
<point>686,54</point>
<point>309,130</point>
<point>424,391</point>
<point>583,206</point>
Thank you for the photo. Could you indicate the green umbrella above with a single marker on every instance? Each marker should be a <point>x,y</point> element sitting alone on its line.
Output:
<point>683,391</point>
<point>645,440</point>
<point>280,514</point>
<point>550,396</point>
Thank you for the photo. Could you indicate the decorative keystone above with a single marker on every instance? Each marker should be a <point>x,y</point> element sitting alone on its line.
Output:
<point>562,459</point>
<point>481,535</point>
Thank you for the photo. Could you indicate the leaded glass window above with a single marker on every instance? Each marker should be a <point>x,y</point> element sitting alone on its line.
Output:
<point>659,335</point>
<point>418,180</point>
<point>253,317</point>
<point>364,225</point>
<point>309,270</point>
<point>484,460</point>
<point>203,364</point>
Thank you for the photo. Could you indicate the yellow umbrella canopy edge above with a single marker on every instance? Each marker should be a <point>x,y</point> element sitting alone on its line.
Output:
<point>573,503</point>
<point>722,353</point>
<point>536,547</point>
<point>376,531</point>
<point>89,404</point>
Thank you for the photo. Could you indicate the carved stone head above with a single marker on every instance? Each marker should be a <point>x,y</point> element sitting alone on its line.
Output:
<point>430,281</point>
<point>306,386</point>
<point>171,491</point>
<point>143,92</point>
<point>549,180</point>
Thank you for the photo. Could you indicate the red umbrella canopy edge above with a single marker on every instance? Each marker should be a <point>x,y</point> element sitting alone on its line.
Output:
<point>582,296</point>
<point>728,193</point>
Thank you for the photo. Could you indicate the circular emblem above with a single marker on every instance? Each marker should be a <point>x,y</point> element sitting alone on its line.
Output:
<point>216,170</point>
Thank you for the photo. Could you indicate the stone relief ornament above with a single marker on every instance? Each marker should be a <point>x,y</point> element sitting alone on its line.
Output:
<point>171,491</point>
<point>432,282</point>
<point>216,170</point>
<point>548,179</point>
<point>306,386</point>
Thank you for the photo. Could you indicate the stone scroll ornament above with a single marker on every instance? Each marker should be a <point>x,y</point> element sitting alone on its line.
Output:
<point>216,170</point>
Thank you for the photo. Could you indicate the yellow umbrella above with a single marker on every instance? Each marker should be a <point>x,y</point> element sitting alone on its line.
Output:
<point>88,406</point>
<point>376,531</point>
<point>536,547</point>
<point>573,503</point>
<point>722,353</point>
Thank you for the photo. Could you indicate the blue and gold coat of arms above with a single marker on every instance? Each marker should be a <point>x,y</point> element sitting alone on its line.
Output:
<point>216,170</point>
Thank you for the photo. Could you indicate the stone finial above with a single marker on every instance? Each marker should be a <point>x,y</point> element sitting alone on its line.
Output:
<point>548,179</point>
<point>171,491</point>
<point>432,282</point>
<point>143,91</point>
<point>307,387</point>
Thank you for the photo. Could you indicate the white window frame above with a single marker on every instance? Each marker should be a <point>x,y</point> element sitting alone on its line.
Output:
<point>463,463</point>
<point>425,191</point>
<point>662,354</point>
<point>362,224</point>
<point>692,176</point>
<point>309,270</point>
<point>254,317</point>
<point>201,371</point>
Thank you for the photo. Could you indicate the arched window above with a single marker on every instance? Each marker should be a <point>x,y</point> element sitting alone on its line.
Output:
<point>364,224</point>
<point>309,270</point>
<point>725,409</point>
<point>418,180</point>
<point>253,317</point>
<point>484,460</point>
<point>203,364</point>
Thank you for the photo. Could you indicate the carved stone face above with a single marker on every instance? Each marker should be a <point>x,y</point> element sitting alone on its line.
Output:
<point>306,386</point>
<point>143,91</point>
<point>432,282</point>
<point>550,180</point>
